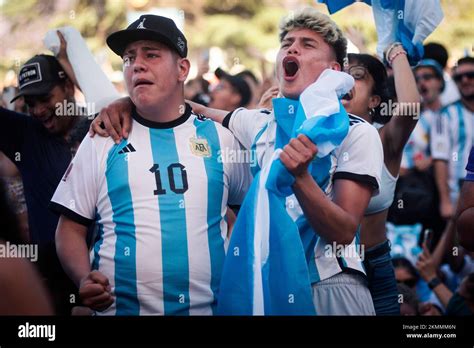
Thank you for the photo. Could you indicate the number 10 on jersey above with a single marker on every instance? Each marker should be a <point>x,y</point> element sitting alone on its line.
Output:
<point>176,171</point>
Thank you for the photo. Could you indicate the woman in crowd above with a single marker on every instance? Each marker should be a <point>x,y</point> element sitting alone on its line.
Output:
<point>369,99</point>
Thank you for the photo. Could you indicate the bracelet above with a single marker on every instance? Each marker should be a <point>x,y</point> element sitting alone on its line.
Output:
<point>390,60</point>
<point>390,48</point>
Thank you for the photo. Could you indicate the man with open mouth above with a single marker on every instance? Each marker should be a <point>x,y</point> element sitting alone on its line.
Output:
<point>311,43</point>
<point>330,215</point>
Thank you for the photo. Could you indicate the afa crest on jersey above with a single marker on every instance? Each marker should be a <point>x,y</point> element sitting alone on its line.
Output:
<point>200,147</point>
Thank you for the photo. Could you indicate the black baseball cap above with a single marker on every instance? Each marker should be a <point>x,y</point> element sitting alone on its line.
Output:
<point>39,75</point>
<point>149,27</point>
<point>238,83</point>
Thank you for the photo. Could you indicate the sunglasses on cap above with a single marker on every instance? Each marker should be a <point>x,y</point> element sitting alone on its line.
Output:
<point>468,75</point>
<point>424,77</point>
<point>358,72</point>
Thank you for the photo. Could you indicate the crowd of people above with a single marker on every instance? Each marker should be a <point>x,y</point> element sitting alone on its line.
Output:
<point>135,218</point>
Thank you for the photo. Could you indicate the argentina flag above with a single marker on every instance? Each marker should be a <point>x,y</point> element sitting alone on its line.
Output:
<point>265,270</point>
<point>406,21</point>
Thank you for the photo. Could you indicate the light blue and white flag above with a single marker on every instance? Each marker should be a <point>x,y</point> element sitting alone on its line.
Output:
<point>265,271</point>
<point>406,21</point>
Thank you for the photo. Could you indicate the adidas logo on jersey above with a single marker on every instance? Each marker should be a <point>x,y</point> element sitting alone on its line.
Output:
<point>201,117</point>
<point>127,148</point>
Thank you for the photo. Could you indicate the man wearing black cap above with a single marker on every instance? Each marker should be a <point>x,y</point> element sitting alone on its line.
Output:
<point>40,147</point>
<point>159,197</point>
<point>231,93</point>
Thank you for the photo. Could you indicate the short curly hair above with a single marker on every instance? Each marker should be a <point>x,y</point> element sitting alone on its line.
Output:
<point>310,18</point>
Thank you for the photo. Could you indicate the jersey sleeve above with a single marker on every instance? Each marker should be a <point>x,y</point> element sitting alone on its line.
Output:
<point>360,157</point>
<point>77,192</point>
<point>245,124</point>
<point>240,176</point>
<point>12,131</point>
<point>440,144</point>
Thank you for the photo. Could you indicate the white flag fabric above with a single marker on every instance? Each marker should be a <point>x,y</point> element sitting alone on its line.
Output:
<point>406,21</point>
<point>96,87</point>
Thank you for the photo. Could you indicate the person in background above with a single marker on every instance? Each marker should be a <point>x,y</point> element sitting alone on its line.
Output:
<point>439,53</point>
<point>12,179</point>
<point>23,292</point>
<point>369,99</point>
<point>197,89</point>
<point>452,137</point>
<point>462,301</point>
<point>409,302</point>
<point>406,274</point>
<point>231,92</point>
<point>455,302</point>
<point>465,211</point>
<point>254,85</point>
<point>430,83</point>
<point>39,147</point>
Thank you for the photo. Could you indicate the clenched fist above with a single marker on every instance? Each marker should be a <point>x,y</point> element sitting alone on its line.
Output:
<point>298,154</point>
<point>95,291</point>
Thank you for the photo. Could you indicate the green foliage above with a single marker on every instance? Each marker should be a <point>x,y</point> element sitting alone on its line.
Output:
<point>12,8</point>
<point>242,8</point>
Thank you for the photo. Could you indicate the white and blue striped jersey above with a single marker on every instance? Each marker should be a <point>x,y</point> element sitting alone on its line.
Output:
<point>159,199</point>
<point>358,158</point>
<point>418,145</point>
<point>452,136</point>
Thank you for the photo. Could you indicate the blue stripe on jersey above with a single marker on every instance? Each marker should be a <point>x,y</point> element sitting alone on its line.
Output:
<point>125,247</point>
<point>462,143</point>
<point>425,125</point>
<point>215,192</point>
<point>173,227</point>
<point>256,168</point>
<point>98,243</point>
<point>409,155</point>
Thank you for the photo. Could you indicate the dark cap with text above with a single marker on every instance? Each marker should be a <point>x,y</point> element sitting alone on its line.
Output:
<point>39,75</point>
<point>149,27</point>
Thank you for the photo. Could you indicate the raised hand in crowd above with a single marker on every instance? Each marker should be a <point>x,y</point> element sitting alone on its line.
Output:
<point>266,100</point>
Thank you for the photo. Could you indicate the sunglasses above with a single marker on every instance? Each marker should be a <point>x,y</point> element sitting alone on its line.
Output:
<point>408,282</point>
<point>424,77</point>
<point>358,72</point>
<point>468,75</point>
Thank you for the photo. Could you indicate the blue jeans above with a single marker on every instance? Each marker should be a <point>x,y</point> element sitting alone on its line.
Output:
<point>381,278</point>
